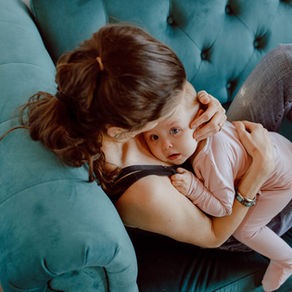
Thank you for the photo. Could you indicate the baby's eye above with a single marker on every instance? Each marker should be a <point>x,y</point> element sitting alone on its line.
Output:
<point>174,131</point>
<point>153,137</point>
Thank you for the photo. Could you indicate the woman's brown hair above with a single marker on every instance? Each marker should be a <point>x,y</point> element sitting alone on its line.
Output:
<point>121,77</point>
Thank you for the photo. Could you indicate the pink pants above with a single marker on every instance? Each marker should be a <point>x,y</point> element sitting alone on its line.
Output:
<point>254,233</point>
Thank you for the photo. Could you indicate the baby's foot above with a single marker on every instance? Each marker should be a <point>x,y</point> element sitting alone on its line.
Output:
<point>277,273</point>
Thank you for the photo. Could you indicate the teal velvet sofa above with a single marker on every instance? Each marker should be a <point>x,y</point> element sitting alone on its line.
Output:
<point>60,233</point>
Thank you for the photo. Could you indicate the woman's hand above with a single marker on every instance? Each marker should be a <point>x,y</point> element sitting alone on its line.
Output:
<point>211,120</point>
<point>255,139</point>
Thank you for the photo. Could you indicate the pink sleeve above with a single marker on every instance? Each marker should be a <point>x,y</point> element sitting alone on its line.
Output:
<point>213,190</point>
<point>207,201</point>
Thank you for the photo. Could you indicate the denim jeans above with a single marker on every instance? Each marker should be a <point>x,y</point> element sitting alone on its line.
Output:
<point>266,95</point>
<point>266,98</point>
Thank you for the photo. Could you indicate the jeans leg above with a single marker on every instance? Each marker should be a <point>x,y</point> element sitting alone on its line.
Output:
<point>266,95</point>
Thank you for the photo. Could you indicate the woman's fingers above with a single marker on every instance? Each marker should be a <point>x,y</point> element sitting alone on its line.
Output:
<point>256,140</point>
<point>211,120</point>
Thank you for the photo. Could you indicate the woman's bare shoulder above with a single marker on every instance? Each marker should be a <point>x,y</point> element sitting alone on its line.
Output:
<point>150,190</point>
<point>143,200</point>
<point>153,204</point>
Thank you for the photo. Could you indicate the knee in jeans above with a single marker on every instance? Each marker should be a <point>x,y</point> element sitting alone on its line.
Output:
<point>283,51</point>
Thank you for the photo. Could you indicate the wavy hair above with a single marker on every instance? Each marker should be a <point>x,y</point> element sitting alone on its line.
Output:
<point>137,83</point>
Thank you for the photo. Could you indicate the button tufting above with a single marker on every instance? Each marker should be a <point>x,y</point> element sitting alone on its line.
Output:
<point>205,54</point>
<point>228,9</point>
<point>230,86</point>
<point>170,20</point>
<point>261,41</point>
<point>256,44</point>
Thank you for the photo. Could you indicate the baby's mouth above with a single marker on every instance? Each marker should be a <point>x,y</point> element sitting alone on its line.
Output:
<point>174,156</point>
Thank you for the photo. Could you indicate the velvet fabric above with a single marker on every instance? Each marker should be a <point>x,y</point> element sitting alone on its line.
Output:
<point>57,231</point>
<point>218,41</point>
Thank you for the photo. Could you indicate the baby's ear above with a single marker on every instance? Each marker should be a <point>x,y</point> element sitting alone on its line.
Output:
<point>114,132</point>
<point>119,134</point>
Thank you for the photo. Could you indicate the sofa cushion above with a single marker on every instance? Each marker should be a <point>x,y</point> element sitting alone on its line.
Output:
<point>167,265</point>
<point>54,223</point>
<point>25,65</point>
<point>218,41</point>
<point>65,24</point>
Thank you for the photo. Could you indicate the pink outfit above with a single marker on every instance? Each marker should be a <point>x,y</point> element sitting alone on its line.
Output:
<point>219,165</point>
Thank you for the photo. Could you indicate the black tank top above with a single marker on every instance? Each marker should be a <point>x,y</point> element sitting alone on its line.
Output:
<point>131,174</point>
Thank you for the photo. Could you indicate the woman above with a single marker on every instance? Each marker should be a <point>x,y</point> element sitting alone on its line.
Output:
<point>113,87</point>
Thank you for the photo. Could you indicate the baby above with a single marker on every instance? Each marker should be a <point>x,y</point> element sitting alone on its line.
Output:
<point>219,162</point>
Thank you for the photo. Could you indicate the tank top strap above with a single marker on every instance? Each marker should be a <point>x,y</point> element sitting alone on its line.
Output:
<point>133,173</point>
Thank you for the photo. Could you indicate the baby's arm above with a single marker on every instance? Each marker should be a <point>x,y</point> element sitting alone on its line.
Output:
<point>190,186</point>
<point>183,181</point>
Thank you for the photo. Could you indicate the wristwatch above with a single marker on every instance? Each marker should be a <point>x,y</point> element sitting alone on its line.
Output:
<point>245,201</point>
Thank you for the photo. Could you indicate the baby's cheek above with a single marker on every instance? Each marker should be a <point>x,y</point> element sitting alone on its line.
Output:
<point>155,150</point>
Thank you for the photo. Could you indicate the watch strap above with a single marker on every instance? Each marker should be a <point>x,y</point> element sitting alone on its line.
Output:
<point>245,201</point>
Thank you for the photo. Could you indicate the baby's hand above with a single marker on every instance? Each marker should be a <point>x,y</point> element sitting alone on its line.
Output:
<point>182,180</point>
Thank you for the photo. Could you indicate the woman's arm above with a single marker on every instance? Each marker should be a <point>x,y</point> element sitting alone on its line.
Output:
<point>153,204</point>
<point>255,139</point>
<point>211,120</point>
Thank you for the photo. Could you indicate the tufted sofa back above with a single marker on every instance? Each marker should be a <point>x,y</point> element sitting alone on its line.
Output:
<point>58,232</point>
<point>218,41</point>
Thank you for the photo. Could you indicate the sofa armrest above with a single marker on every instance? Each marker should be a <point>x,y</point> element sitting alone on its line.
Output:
<point>56,225</point>
<point>57,230</point>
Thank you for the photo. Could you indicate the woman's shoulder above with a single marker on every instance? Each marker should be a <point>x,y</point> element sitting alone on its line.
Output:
<point>151,191</point>
<point>143,199</point>
<point>150,185</point>
<point>129,175</point>
<point>153,204</point>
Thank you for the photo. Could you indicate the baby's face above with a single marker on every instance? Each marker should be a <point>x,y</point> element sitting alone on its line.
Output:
<point>172,139</point>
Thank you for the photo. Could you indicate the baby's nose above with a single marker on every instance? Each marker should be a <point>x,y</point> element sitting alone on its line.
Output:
<point>167,145</point>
